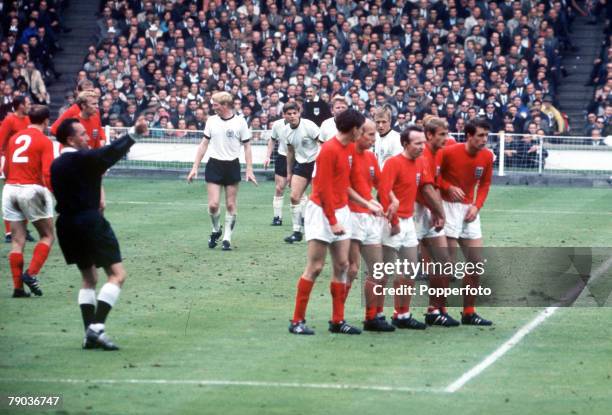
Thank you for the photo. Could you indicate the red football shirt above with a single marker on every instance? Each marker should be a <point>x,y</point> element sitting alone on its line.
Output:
<point>404,176</point>
<point>29,155</point>
<point>93,126</point>
<point>431,163</point>
<point>9,126</point>
<point>331,177</point>
<point>365,175</point>
<point>461,169</point>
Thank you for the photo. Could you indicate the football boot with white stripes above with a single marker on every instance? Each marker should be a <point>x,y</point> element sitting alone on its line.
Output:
<point>440,319</point>
<point>300,328</point>
<point>343,328</point>
<point>474,320</point>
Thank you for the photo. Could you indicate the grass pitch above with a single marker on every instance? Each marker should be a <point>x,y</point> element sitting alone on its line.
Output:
<point>191,321</point>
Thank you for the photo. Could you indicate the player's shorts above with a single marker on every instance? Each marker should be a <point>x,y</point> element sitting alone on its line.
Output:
<point>87,239</point>
<point>30,202</point>
<point>406,238</point>
<point>316,225</point>
<point>422,222</point>
<point>222,172</point>
<point>303,169</point>
<point>366,228</point>
<point>456,226</point>
<point>280,165</point>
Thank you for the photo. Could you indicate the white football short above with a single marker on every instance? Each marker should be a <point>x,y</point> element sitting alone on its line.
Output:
<point>367,228</point>
<point>26,201</point>
<point>406,238</point>
<point>422,221</point>
<point>316,225</point>
<point>456,226</point>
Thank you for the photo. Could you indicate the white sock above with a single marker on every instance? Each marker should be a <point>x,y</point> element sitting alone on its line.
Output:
<point>87,296</point>
<point>109,293</point>
<point>404,316</point>
<point>303,203</point>
<point>215,219</point>
<point>379,315</point>
<point>296,216</point>
<point>97,327</point>
<point>277,205</point>
<point>230,222</point>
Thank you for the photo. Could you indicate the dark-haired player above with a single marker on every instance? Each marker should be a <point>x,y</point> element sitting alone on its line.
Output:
<point>327,224</point>
<point>464,166</point>
<point>26,197</point>
<point>85,236</point>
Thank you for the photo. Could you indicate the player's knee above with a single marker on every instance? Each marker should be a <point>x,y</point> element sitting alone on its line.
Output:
<point>341,267</point>
<point>231,207</point>
<point>118,277</point>
<point>295,199</point>
<point>213,207</point>
<point>279,189</point>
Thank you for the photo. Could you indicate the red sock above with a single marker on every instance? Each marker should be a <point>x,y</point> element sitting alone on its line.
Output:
<point>304,288</point>
<point>337,290</point>
<point>370,313</point>
<point>7,227</point>
<point>468,310</point>
<point>16,263</point>
<point>346,291</point>
<point>41,252</point>
<point>380,309</point>
<point>401,310</point>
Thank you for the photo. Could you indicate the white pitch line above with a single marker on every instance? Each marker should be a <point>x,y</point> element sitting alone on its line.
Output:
<point>230,383</point>
<point>517,337</point>
<point>547,212</point>
<point>501,350</point>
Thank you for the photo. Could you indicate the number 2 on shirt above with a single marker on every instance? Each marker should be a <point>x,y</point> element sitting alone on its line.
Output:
<point>17,155</point>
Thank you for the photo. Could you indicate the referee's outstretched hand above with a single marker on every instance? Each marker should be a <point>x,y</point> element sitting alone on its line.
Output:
<point>250,177</point>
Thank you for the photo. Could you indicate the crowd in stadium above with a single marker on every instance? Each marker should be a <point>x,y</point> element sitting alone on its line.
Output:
<point>29,39</point>
<point>458,59</point>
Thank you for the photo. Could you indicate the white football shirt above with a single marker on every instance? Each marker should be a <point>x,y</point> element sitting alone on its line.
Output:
<point>304,139</point>
<point>387,146</point>
<point>278,135</point>
<point>328,129</point>
<point>226,136</point>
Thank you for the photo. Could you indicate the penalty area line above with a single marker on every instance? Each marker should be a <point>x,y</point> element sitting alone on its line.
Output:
<point>231,383</point>
<point>517,337</point>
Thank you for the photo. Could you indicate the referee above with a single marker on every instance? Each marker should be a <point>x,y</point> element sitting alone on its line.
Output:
<point>85,237</point>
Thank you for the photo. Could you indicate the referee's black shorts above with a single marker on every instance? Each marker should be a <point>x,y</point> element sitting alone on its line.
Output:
<point>303,169</point>
<point>280,165</point>
<point>87,239</point>
<point>222,172</point>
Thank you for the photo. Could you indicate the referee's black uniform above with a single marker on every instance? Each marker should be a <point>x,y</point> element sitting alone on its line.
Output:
<point>85,237</point>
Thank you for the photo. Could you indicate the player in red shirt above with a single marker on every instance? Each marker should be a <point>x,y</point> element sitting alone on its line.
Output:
<point>432,240</point>
<point>14,122</point>
<point>405,175</point>
<point>366,226</point>
<point>26,196</point>
<point>327,224</point>
<point>74,110</point>
<point>464,166</point>
<point>88,116</point>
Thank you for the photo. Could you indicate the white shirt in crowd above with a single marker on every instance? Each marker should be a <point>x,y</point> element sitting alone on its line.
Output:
<point>226,136</point>
<point>304,139</point>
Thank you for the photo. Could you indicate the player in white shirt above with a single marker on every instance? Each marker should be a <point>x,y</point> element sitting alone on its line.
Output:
<point>280,169</point>
<point>224,134</point>
<point>302,138</point>
<point>387,142</point>
<point>328,127</point>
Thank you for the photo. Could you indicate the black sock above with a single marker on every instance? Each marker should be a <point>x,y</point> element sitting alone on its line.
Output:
<point>102,311</point>
<point>88,312</point>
